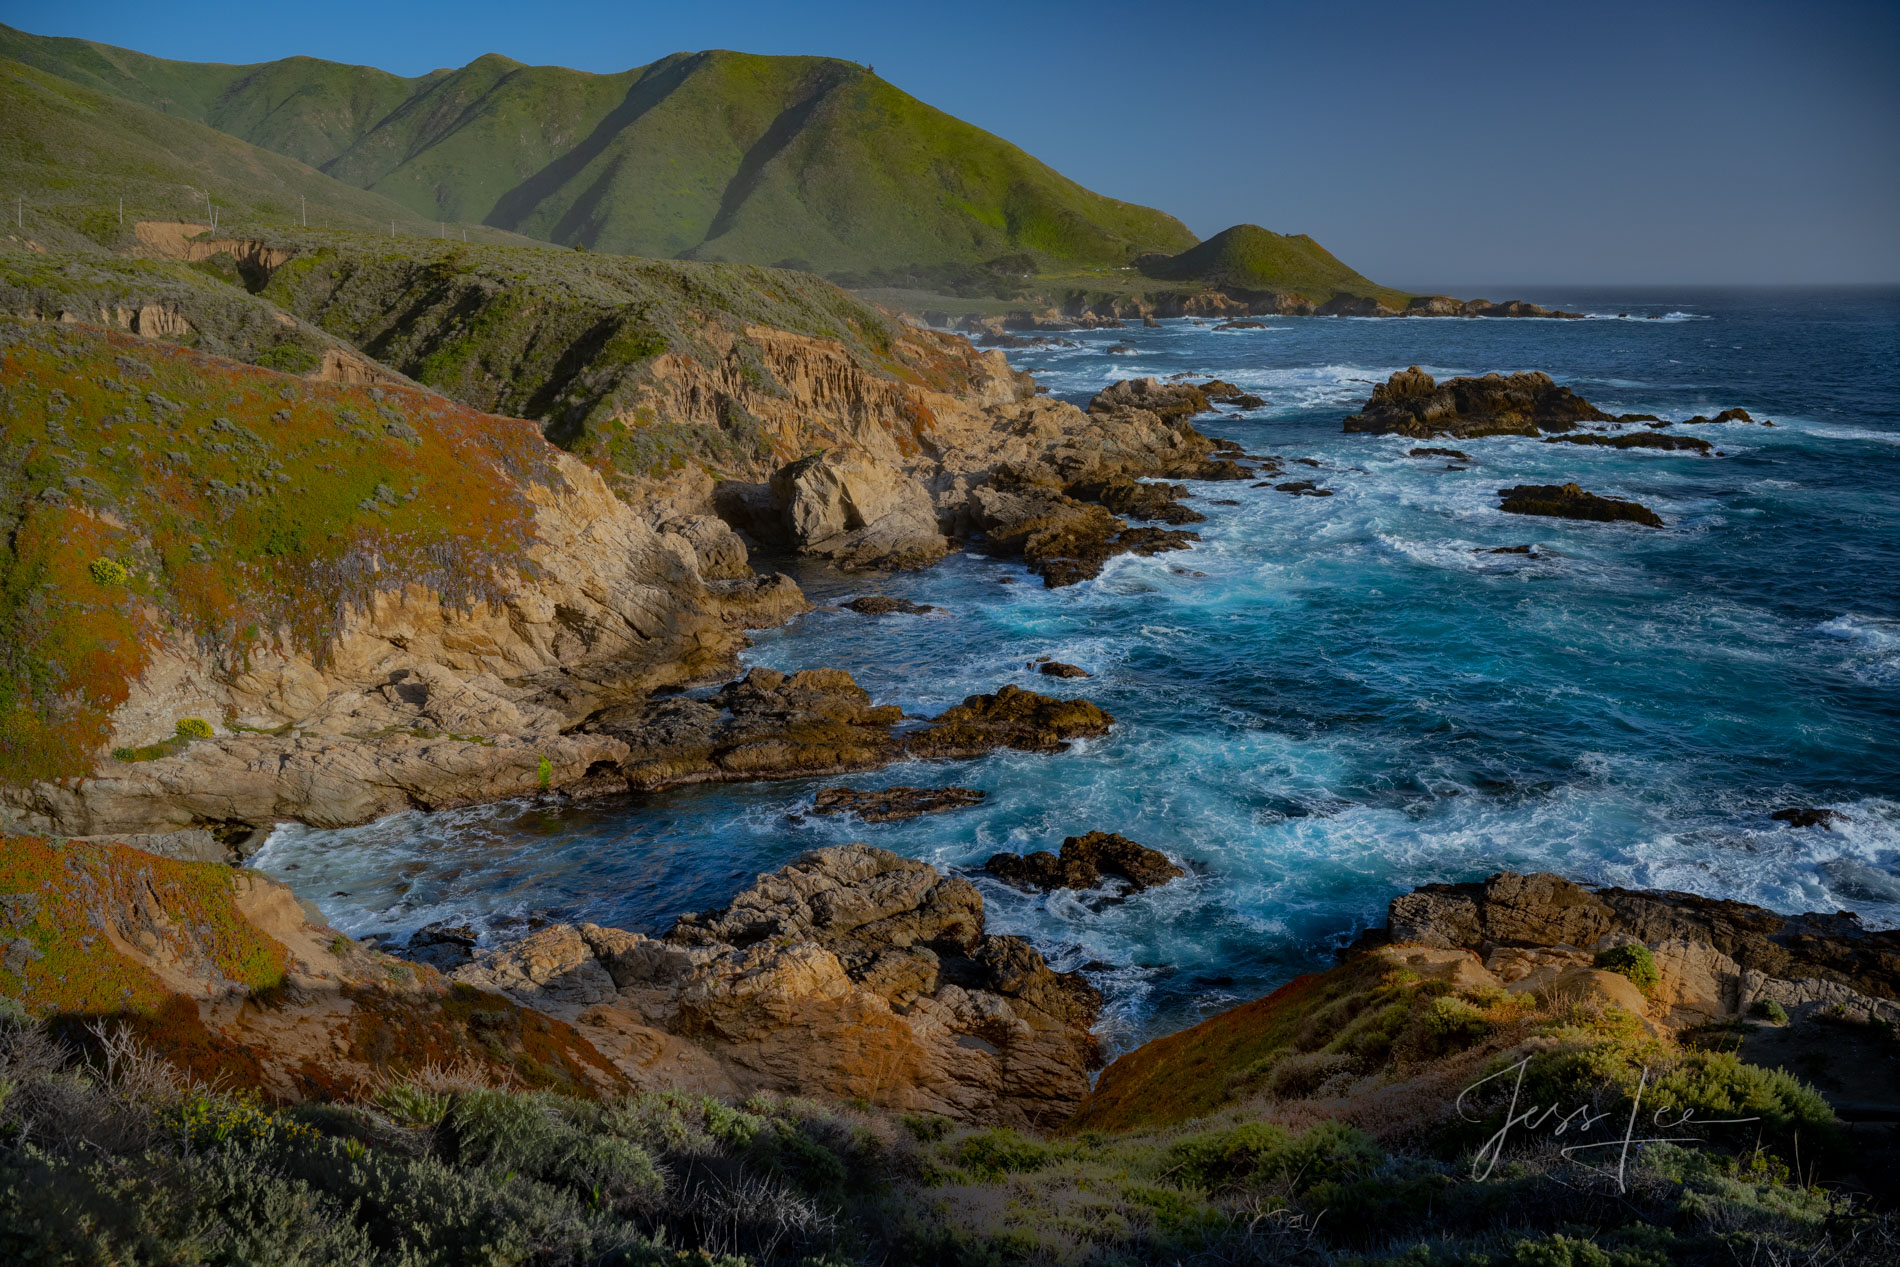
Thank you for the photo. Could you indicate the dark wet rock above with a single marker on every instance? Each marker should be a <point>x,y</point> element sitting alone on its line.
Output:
<point>1011,718</point>
<point>1530,550</point>
<point>1807,816</point>
<point>1062,539</point>
<point>1136,500</point>
<point>1637,418</point>
<point>1458,454</point>
<point>1635,440</point>
<point>444,945</point>
<point>1241,325</point>
<point>1303,488</point>
<point>770,725</point>
<point>1120,349</point>
<point>1056,668</point>
<point>1151,323</point>
<point>882,605</point>
<point>1568,501</point>
<point>1727,415</point>
<point>1225,393</point>
<point>1412,403</point>
<point>1225,501</point>
<point>1082,864</point>
<point>890,804</point>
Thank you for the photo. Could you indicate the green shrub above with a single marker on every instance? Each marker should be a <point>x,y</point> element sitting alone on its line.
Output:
<point>287,358</point>
<point>1256,1153</point>
<point>993,1154</point>
<point>544,770</point>
<point>1769,1010</point>
<point>1633,961</point>
<point>109,572</point>
<point>195,728</point>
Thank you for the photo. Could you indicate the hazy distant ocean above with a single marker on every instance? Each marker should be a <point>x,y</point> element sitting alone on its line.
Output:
<point>1330,700</point>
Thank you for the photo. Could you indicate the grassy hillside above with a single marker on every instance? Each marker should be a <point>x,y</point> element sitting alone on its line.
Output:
<point>1250,258</point>
<point>577,340</point>
<point>148,491</point>
<point>72,152</point>
<point>715,155</point>
<point>219,315</point>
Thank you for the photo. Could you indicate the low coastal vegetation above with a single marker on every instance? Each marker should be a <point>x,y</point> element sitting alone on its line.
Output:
<point>108,1153</point>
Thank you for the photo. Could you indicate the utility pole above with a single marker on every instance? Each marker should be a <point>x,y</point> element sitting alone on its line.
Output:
<point>304,208</point>
<point>392,228</point>
<point>19,212</point>
<point>121,211</point>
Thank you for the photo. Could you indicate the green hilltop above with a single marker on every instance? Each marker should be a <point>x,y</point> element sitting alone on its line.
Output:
<point>1248,258</point>
<point>70,152</point>
<point>716,155</point>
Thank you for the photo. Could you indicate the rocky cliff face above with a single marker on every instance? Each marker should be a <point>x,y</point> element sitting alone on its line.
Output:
<point>265,646</point>
<point>850,969</point>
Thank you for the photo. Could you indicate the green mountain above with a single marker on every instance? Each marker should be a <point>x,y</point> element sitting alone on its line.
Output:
<point>714,155</point>
<point>70,152</point>
<point>1252,259</point>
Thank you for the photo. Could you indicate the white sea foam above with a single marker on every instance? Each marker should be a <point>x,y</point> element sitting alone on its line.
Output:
<point>1873,642</point>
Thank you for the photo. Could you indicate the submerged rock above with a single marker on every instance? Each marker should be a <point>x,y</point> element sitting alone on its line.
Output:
<point>1412,403</point>
<point>1083,862</point>
<point>1303,488</point>
<point>1635,440</point>
<point>1056,668</point>
<point>1457,454</point>
<point>884,805</point>
<point>1568,501</point>
<point>850,970</point>
<point>1807,816</point>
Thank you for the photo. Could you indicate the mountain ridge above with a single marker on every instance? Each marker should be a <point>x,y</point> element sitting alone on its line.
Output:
<point>716,155</point>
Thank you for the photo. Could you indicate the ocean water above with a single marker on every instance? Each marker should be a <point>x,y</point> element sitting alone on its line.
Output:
<point>1330,700</point>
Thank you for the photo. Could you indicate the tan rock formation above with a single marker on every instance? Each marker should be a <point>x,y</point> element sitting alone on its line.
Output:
<point>1714,958</point>
<point>850,972</point>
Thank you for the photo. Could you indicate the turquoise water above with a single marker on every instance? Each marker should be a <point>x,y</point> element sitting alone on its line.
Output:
<point>1331,700</point>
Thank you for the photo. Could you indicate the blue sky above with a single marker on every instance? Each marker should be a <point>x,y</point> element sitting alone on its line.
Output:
<point>1426,144</point>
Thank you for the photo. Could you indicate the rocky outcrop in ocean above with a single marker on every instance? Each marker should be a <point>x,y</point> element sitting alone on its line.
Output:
<point>1412,403</point>
<point>1569,501</point>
